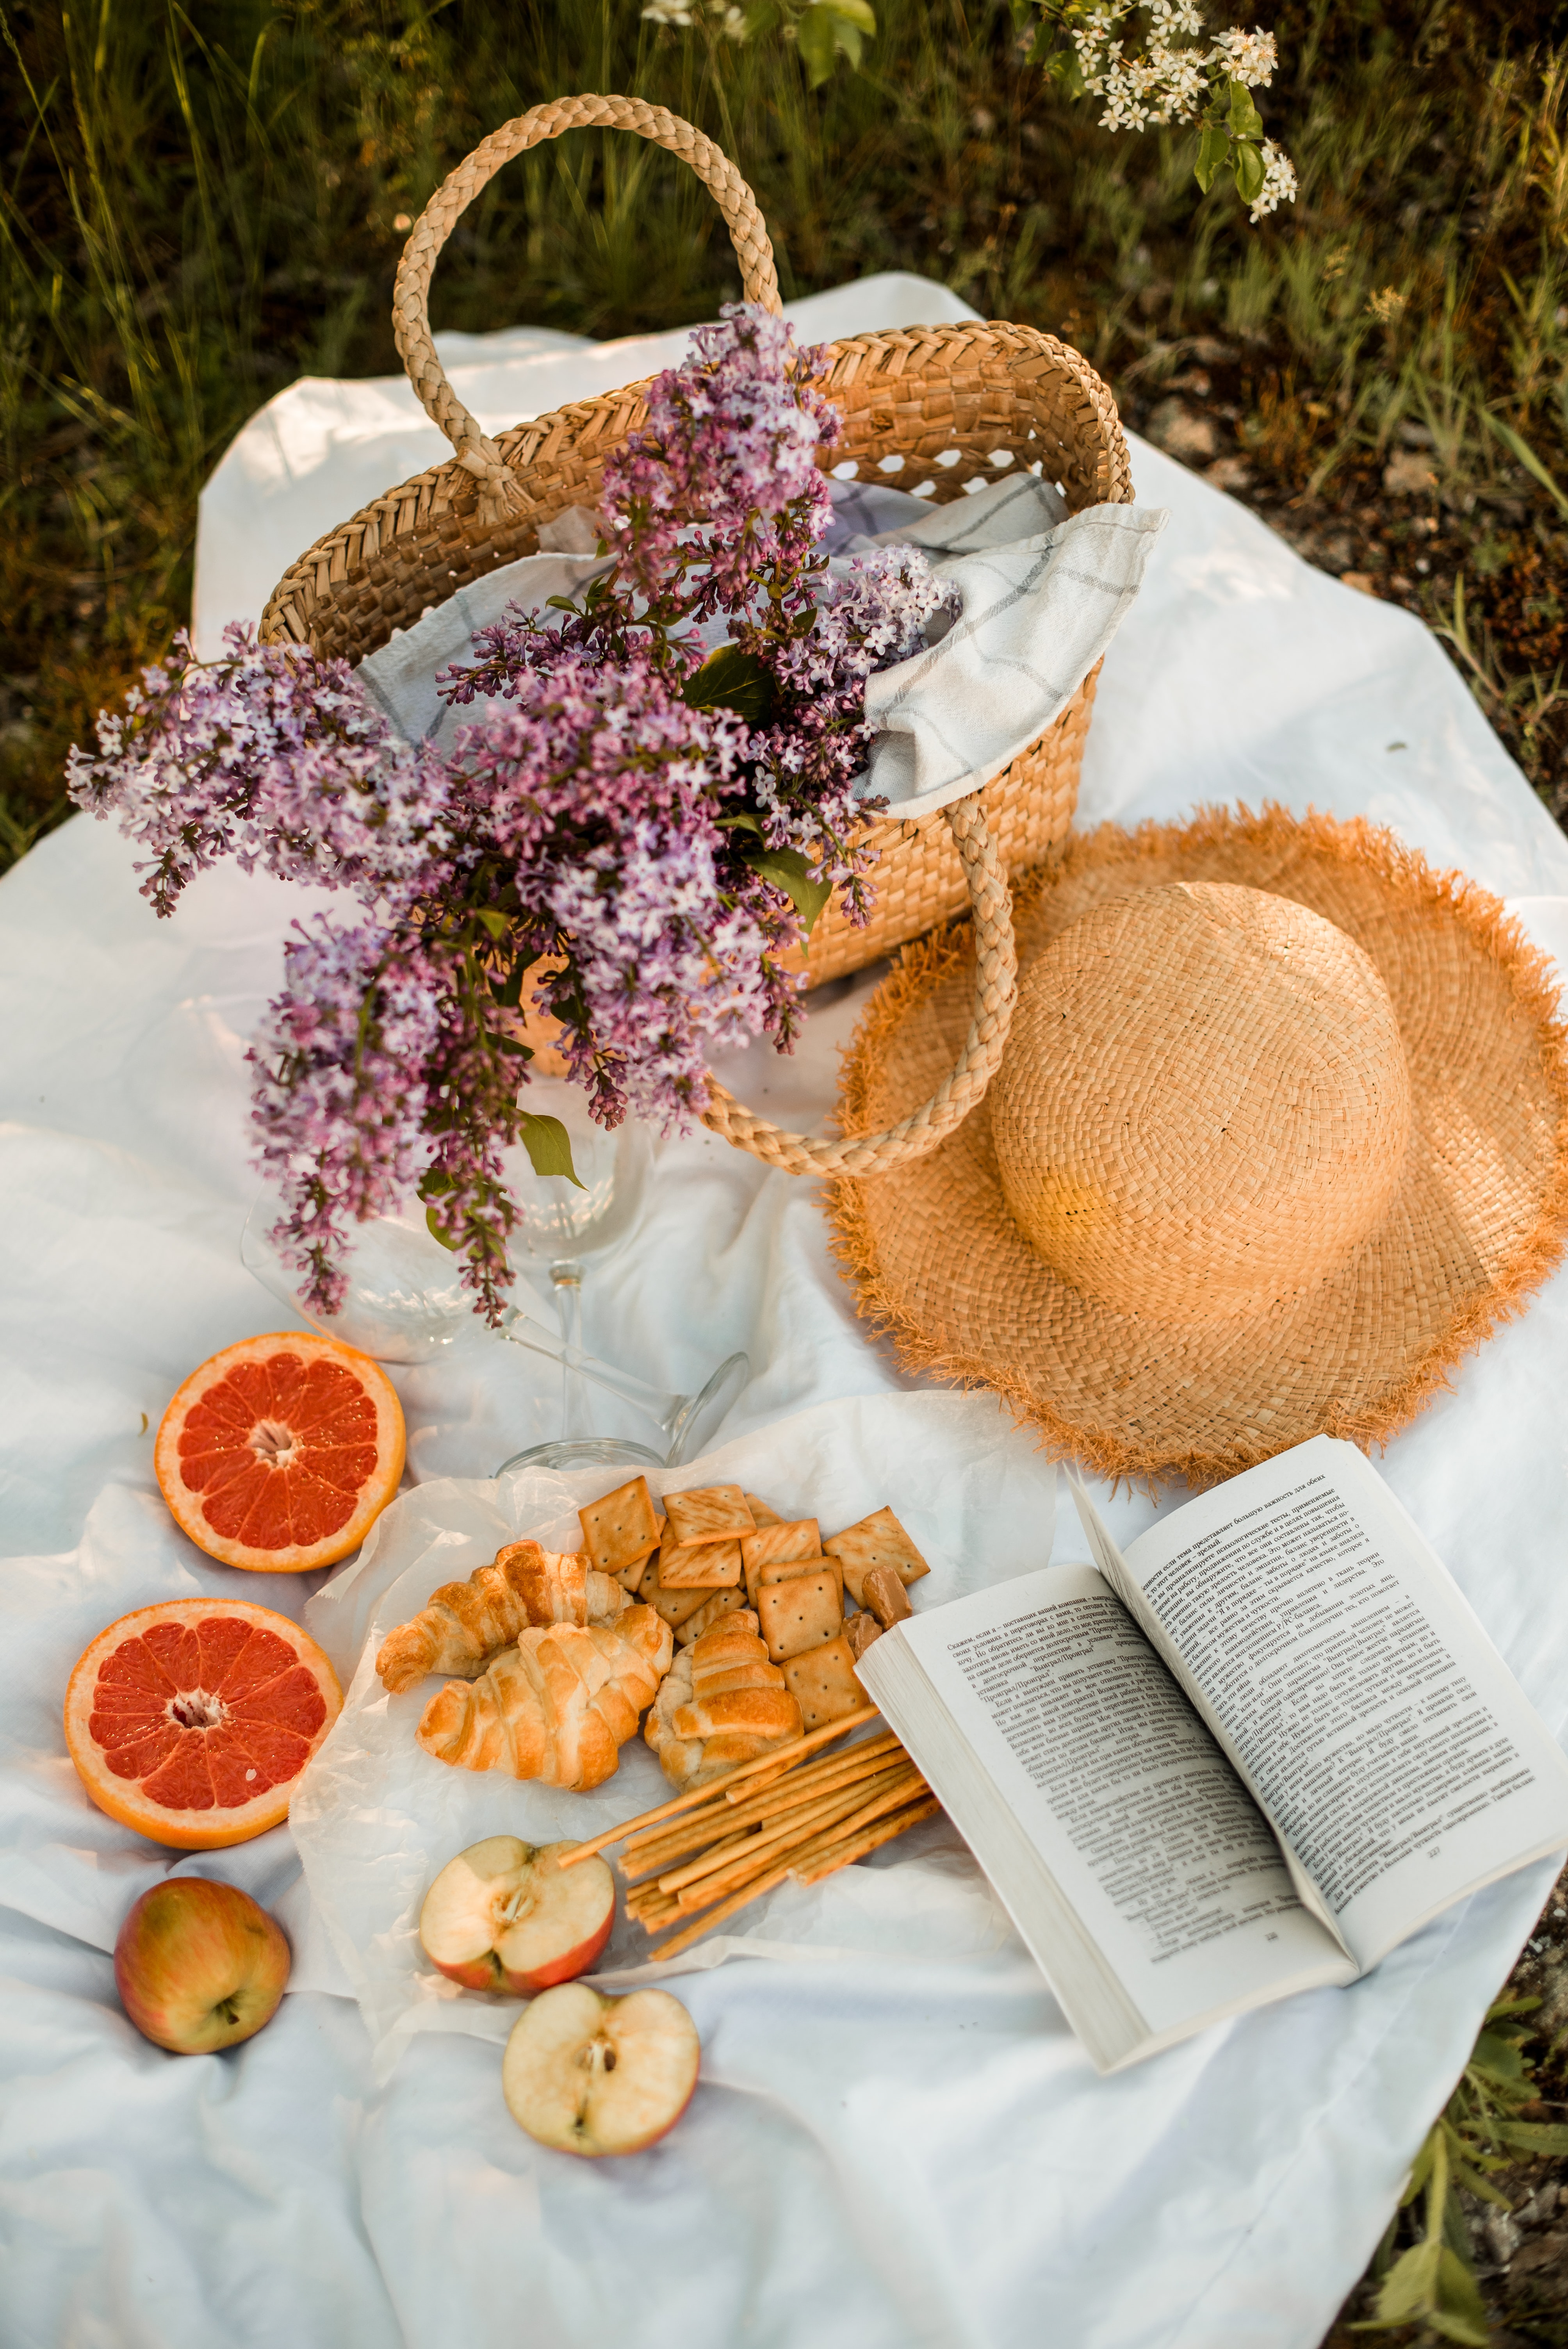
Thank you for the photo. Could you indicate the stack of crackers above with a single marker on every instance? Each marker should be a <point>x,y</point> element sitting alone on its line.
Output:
<point>818,1604</point>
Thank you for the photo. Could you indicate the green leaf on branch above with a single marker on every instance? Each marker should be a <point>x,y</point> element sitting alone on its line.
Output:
<point>1249,170</point>
<point>435,1232</point>
<point>1213,148</point>
<point>1532,2137</point>
<point>828,28</point>
<point>549,1146</point>
<point>787,870</point>
<point>1245,122</point>
<point>498,925</point>
<point>508,992</point>
<point>732,680</point>
<point>1430,2284</point>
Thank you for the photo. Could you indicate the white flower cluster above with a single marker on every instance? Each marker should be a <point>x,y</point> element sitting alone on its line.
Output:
<point>1169,80</point>
<point>1279,181</point>
<point>683,15</point>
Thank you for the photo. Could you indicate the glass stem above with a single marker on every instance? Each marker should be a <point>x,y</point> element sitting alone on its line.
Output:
<point>661,1407</point>
<point>567,1277</point>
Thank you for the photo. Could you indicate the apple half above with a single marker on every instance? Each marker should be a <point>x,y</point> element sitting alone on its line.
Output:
<point>593,2075</point>
<point>504,1915</point>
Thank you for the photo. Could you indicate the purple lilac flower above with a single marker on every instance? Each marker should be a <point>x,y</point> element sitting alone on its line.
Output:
<point>613,813</point>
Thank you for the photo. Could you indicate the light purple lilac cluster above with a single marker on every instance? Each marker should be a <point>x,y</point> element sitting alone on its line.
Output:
<point>627,835</point>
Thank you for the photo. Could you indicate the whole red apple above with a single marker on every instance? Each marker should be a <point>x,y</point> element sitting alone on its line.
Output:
<point>198,1965</point>
<point>591,2074</point>
<point>504,1915</point>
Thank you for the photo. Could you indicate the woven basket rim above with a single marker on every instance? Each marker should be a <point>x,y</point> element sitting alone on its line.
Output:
<point>414,505</point>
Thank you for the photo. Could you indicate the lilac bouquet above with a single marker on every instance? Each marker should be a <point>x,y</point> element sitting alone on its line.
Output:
<point>630,836</point>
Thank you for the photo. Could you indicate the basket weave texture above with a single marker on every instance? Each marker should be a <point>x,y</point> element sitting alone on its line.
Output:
<point>930,408</point>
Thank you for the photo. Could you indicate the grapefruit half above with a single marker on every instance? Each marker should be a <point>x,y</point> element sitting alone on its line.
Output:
<point>191,1720</point>
<point>280,1454</point>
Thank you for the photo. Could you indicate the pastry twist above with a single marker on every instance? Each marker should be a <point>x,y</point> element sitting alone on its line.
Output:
<point>557,1706</point>
<point>466,1622</point>
<point>724,1703</point>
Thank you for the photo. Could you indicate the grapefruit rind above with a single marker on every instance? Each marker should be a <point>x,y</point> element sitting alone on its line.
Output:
<point>122,1798</point>
<point>189,1505</point>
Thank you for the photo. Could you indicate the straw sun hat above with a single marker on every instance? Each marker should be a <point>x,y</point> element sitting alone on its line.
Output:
<point>1280,1133</point>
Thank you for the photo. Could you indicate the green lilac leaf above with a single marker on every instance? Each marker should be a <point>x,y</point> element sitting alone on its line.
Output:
<point>731,679</point>
<point>436,1233</point>
<point>549,1146</point>
<point>787,870</point>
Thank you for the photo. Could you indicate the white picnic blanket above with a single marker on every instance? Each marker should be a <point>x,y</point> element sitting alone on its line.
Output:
<point>897,2141</point>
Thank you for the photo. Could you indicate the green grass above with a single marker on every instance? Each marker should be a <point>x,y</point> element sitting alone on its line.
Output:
<point>200,203</point>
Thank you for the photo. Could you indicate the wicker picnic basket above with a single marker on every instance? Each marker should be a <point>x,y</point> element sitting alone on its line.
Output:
<point>937,405</point>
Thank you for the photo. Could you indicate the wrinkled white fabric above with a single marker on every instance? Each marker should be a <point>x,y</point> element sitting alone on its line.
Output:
<point>880,2153</point>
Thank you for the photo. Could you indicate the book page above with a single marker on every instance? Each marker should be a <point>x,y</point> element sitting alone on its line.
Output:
<point>1394,1754</point>
<point>1121,1789</point>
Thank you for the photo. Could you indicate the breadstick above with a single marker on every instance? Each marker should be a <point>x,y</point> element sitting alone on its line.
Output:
<point>856,1846</point>
<point>767,1882</point>
<point>807,1839</point>
<point>650,1853</point>
<point>795,1825</point>
<point>784,1758</point>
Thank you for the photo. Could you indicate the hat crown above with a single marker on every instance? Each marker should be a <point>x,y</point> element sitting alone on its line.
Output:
<point>1205,1104</point>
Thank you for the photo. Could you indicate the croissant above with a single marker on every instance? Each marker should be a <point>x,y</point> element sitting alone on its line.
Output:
<point>557,1706</point>
<point>466,1622</point>
<point>722,1703</point>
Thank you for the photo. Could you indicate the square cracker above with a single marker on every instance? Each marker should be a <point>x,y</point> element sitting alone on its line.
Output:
<point>699,1566</point>
<point>715,1605</point>
<point>709,1513</point>
<point>877,1540</point>
<point>807,1611</point>
<point>800,1537</point>
<point>762,1514</point>
<point>677,1607</point>
<point>823,1683</point>
<point>643,1572</point>
<point>786,1567</point>
<point>621,1529</point>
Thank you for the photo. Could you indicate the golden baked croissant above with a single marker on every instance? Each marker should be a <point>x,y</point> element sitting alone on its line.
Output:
<point>722,1703</point>
<point>466,1622</point>
<point>557,1706</point>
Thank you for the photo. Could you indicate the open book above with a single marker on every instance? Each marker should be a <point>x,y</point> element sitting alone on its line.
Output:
<point>1247,1757</point>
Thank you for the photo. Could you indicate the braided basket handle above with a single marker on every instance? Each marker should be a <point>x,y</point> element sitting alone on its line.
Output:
<point>411,293</point>
<point>996,993</point>
<point>996,961</point>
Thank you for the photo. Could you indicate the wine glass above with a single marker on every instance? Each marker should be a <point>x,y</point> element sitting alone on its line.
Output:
<point>405,1303</point>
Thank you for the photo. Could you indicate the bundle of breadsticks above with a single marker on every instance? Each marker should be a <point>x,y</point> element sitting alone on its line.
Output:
<point>558,1655</point>
<point>802,1812</point>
